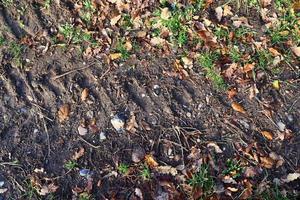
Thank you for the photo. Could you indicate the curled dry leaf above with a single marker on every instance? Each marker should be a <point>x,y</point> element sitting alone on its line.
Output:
<point>296,51</point>
<point>265,3</point>
<point>274,52</point>
<point>78,154</point>
<point>237,107</point>
<point>114,20</point>
<point>150,161</point>
<point>46,189</point>
<point>63,112</point>
<point>115,56</point>
<point>219,13</point>
<point>215,146</point>
<point>166,170</point>
<point>231,93</point>
<point>84,94</point>
<point>267,162</point>
<point>292,177</point>
<point>165,13</point>
<point>248,67</point>
<point>267,134</point>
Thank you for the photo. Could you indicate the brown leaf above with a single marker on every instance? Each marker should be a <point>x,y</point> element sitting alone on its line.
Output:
<point>267,134</point>
<point>131,125</point>
<point>248,67</point>
<point>46,189</point>
<point>209,39</point>
<point>84,94</point>
<point>267,162</point>
<point>237,107</point>
<point>250,172</point>
<point>114,20</point>
<point>296,51</point>
<point>78,154</point>
<point>150,161</point>
<point>274,52</point>
<point>231,93</point>
<point>265,3</point>
<point>64,112</point>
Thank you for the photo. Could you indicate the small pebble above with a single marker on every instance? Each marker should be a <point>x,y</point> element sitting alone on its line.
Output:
<point>138,154</point>
<point>85,173</point>
<point>81,130</point>
<point>156,90</point>
<point>281,126</point>
<point>118,124</point>
<point>1,183</point>
<point>102,136</point>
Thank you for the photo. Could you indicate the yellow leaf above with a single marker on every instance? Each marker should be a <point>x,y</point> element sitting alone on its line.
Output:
<point>237,107</point>
<point>276,84</point>
<point>267,135</point>
<point>115,56</point>
<point>64,112</point>
<point>284,33</point>
<point>84,94</point>
<point>150,161</point>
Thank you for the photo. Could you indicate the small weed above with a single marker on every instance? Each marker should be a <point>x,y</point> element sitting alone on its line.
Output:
<point>31,192</point>
<point>123,168</point>
<point>127,22</point>
<point>15,51</point>
<point>70,165</point>
<point>234,54</point>
<point>74,35</point>
<point>88,10</point>
<point>2,40</point>
<point>264,59</point>
<point>84,196</point>
<point>206,61</point>
<point>221,33</point>
<point>234,168</point>
<point>281,4</point>
<point>274,194</point>
<point>242,32</point>
<point>145,173</point>
<point>121,48</point>
<point>203,179</point>
<point>7,3</point>
<point>47,4</point>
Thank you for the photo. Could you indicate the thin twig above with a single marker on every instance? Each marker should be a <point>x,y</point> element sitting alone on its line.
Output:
<point>176,129</point>
<point>96,147</point>
<point>70,72</point>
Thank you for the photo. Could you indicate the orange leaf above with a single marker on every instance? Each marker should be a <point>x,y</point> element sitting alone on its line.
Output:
<point>150,161</point>
<point>267,135</point>
<point>248,67</point>
<point>267,162</point>
<point>64,112</point>
<point>238,107</point>
<point>274,52</point>
<point>84,94</point>
<point>231,93</point>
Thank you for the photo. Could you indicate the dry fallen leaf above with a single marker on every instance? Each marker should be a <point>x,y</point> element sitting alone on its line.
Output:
<point>267,162</point>
<point>231,93</point>
<point>219,13</point>
<point>274,52</point>
<point>267,134</point>
<point>157,41</point>
<point>64,112</point>
<point>150,161</point>
<point>232,189</point>
<point>78,154</point>
<point>265,3</point>
<point>114,20</point>
<point>237,107</point>
<point>46,189</point>
<point>84,94</point>
<point>215,146</point>
<point>167,170</point>
<point>296,51</point>
<point>165,13</point>
<point>276,84</point>
<point>227,10</point>
<point>292,177</point>
<point>3,190</point>
<point>248,67</point>
<point>115,56</point>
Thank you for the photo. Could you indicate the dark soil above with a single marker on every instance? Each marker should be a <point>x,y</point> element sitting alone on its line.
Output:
<point>172,112</point>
